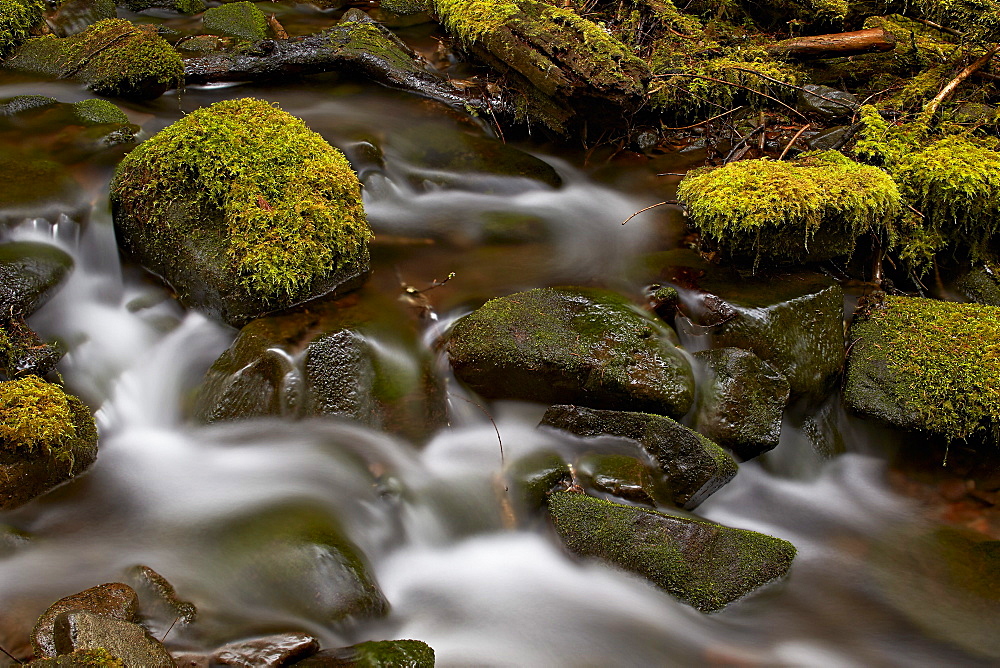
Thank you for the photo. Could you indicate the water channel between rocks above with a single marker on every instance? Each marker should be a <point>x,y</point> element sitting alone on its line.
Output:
<point>165,490</point>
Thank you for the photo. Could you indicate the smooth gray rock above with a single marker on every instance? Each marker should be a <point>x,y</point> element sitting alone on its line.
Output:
<point>836,103</point>
<point>79,630</point>
<point>109,600</point>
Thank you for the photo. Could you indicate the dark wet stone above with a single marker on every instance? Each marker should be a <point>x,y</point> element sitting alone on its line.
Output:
<point>695,467</point>
<point>822,429</point>
<point>375,654</point>
<point>629,478</point>
<point>22,351</point>
<point>114,599</point>
<point>22,103</point>
<point>740,401</point>
<point>267,651</point>
<point>36,187</point>
<point>828,139</point>
<point>571,346</point>
<point>837,103</point>
<point>795,323</point>
<point>191,660</point>
<point>354,358</point>
<point>80,630</point>
<point>532,477</point>
<point>704,564</point>
<point>29,275</point>
<point>981,285</point>
<point>160,603</point>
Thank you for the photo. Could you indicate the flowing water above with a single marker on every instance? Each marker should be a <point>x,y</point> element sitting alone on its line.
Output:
<point>431,520</point>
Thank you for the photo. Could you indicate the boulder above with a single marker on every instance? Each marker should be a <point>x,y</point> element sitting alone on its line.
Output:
<point>114,599</point>
<point>981,285</point>
<point>795,323</point>
<point>571,346</point>
<point>704,564</point>
<point>243,210</point>
<point>82,658</point>
<point>112,57</point>
<point>180,6</point>
<point>161,606</point>
<point>132,644</point>
<point>740,401</point>
<point>531,478</point>
<point>927,365</point>
<point>375,654</point>
<point>267,651</point>
<point>237,19</point>
<point>30,272</point>
<point>695,467</point>
<point>827,102</point>
<point>48,437</point>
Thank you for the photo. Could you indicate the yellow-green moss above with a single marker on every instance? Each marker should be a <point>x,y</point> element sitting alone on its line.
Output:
<point>98,112</point>
<point>35,416</point>
<point>775,210</point>
<point>17,18</point>
<point>288,202</point>
<point>81,658</point>
<point>236,19</point>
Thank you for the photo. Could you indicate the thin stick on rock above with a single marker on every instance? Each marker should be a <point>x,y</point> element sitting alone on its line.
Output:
<point>931,107</point>
<point>798,134</point>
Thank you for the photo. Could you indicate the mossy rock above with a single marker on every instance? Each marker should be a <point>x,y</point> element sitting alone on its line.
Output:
<point>535,475</point>
<point>631,478</point>
<point>694,466</point>
<point>99,112</point>
<point>36,187</point>
<point>113,599</point>
<point>17,18</point>
<point>406,7</point>
<point>740,401</point>
<point>349,358</point>
<point>20,104</point>
<point>112,57</point>
<point>927,365</point>
<point>237,19</point>
<point>48,437</point>
<point>580,346</point>
<point>704,564</point>
<point>375,654</point>
<point>980,285</point>
<point>243,210</point>
<point>83,658</point>
<point>794,322</point>
<point>82,631</point>
<point>768,211</point>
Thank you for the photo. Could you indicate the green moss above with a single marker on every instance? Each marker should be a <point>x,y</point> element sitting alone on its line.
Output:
<point>815,205</point>
<point>189,6</point>
<point>394,654</point>
<point>98,112</point>
<point>936,363</point>
<point>979,20</point>
<point>36,416</point>
<point>287,202</point>
<point>237,19</point>
<point>17,18</point>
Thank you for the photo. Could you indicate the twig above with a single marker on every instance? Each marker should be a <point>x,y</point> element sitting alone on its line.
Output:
<point>705,122</point>
<point>90,56</point>
<point>743,144</point>
<point>794,139</point>
<point>938,26</point>
<point>651,206</point>
<point>497,429</point>
<point>931,107</point>
<point>12,657</point>
<point>788,85</point>
<point>736,85</point>
<point>171,628</point>
<point>276,27</point>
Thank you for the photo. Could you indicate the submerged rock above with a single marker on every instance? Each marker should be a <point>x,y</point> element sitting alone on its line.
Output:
<point>740,401</point>
<point>243,210</point>
<point>695,467</point>
<point>926,365</point>
<point>36,187</point>
<point>114,599</point>
<point>267,651</point>
<point>571,346</point>
<point>794,323</point>
<point>161,604</point>
<point>130,643</point>
<point>112,57</point>
<point>375,654</point>
<point>48,437</point>
<point>236,19</point>
<point>704,564</point>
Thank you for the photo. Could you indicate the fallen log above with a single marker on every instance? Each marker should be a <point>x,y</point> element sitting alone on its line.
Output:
<point>873,40</point>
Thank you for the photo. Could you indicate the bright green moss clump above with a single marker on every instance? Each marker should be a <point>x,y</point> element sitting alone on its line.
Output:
<point>811,208</point>
<point>286,203</point>
<point>35,416</point>
<point>98,112</point>
<point>926,364</point>
<point>393,654</point>
<point>17,18</point>
<point>237,19</point>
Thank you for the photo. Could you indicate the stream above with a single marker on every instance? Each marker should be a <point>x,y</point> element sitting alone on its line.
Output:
<point>430,519</point>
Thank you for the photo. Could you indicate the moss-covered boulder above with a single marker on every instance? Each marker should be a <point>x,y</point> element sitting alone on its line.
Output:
<point>99,112</point>
<point>350,358</point>
<point>47,436</point>
<point>82,631</point>
<point>706,565</point>
<point>243,210</point>
<point>375,654</point>
<point>795,323</point>
<point>571,346</point>
<point>18,104</point>
<point>17,18</point>
<point>112,57</point>
<point>113,599</point>
<point>237,19</point>
<point>769,211</point>
<point>980,284</point>
<point>926,365</point>
<point>695,467</point>
<point>740,401</point>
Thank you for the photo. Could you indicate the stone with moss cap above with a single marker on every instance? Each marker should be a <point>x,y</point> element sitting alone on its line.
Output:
<point>695,467</point>
<point>810,209</point>
<point>236,19</point>
<point>243,210</point>
<point>47,437</point>
<point>580,346</point>
<point>99,112</point>
<point>704,564</point>
<point>113,599</point>
<point>926,365</point>
<point>112,57</point>
<point>375,654</point>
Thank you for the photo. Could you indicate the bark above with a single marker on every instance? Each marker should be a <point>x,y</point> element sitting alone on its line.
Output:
<point>834,45</point>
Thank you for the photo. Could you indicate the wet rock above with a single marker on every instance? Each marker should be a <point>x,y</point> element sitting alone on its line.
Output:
<point>30,272</point>
<point>114,599</point>
<point>21,103</point>
<point>82,658</point>
<point>75,16</point>
<point>140,65</point>
<point>236,19</point>
<point>355,358</point>
<point>36,187</point>
<point>927,365</point>
<point>160,603</point>
<point>822,429</point>
<point>981,285</point>
<point>826,102</point>
<point>132,644</point>
<point>532,478</point>
<point>695,467</point>
<point>704,564</point>
<point>201,44</point>
<point>740,401</point>
<point>48,437</point>
<point>375,654</point>
<point>267,651</point>
<point>12,540</point>
<point>191,660</point>
<point>629,478</point>
<point>99,112</point>
<point>794,323</point>
<point>829,140</point>
<point>571,346</point>
<point>22,351</point>
<point>243,210</point>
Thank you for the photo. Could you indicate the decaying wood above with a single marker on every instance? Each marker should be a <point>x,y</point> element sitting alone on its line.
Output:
<point>834,45</point>
<point>931,107</point>
<point>276,27</point>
